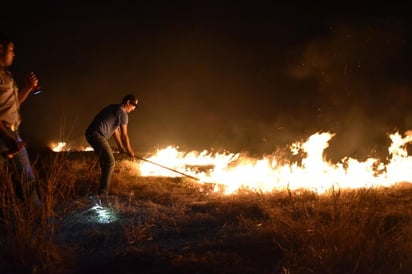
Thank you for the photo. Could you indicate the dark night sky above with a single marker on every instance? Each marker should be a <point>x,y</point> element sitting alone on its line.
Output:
<point>248,76</point>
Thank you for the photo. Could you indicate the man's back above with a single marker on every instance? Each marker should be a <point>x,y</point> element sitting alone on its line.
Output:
<point>107,121</point>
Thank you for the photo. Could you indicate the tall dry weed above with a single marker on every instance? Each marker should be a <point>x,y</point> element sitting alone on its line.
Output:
<point>28,228</point>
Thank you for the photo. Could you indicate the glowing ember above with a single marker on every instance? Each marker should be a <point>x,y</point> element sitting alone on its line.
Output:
<point>89,148</point>
<point>60,146</point>
<point>236,171</point>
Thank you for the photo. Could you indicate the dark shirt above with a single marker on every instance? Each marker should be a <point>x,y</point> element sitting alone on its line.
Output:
<point>107,121</point>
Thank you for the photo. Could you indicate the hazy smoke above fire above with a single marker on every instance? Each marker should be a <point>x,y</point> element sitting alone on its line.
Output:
<point>248,80</point>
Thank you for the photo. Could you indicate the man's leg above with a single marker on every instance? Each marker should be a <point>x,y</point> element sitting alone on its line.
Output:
<point>25,178</point>
<point>107,163</point>
<point>103,150</point>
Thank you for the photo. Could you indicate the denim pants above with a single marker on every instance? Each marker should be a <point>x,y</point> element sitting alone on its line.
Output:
<point>104,152</point>
<point>23,175</point>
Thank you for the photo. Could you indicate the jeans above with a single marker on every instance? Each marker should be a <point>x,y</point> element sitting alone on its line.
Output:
<point>23,175</point>
<point>104,152</point>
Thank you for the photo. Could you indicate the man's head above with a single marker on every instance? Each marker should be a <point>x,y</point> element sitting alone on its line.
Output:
<point>6,51</point>
<point>130,102</point>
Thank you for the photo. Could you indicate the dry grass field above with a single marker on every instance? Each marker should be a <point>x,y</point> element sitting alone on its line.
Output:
<point>177,225</point>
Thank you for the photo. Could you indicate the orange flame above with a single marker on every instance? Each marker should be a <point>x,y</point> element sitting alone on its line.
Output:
<point>231,172</point>
<point>268,173</point>
<point>59,147</point>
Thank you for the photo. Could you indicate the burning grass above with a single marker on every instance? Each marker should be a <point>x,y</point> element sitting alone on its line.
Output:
<point>166,224</point>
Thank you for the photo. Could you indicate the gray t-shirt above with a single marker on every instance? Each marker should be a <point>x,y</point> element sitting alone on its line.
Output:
<point>107,121</point>
<point>9,100</point>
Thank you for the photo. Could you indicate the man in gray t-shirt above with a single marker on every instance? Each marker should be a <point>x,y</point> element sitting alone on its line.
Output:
<point>110,121</point>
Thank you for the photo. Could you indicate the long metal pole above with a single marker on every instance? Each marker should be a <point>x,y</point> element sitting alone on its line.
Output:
<point>165,167</point>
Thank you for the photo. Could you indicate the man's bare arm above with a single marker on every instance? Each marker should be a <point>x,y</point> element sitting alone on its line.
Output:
<point>118,140</point>
<point>125,140</point>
